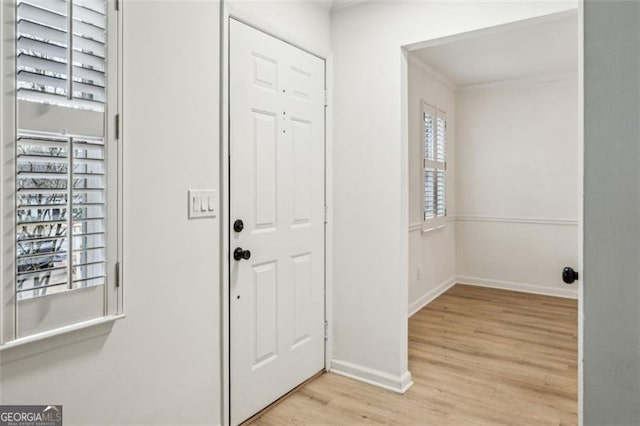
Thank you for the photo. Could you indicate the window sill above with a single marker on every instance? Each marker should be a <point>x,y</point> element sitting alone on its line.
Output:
<point>42,342</point>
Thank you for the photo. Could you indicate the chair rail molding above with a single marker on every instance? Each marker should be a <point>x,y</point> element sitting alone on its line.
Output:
<point>516,219</point>
<point>418,226</point>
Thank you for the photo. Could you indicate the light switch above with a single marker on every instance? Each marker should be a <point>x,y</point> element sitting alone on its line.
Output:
<point>202,203</point>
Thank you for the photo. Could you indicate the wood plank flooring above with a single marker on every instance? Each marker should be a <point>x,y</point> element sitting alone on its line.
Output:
<point>478,356</point>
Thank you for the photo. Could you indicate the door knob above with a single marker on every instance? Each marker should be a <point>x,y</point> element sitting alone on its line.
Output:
<point>238,225</point>
<point>239,254</point>
<point>569,275</point>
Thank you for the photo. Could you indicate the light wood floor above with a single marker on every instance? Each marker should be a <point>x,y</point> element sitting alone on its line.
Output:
<point>478,356</point>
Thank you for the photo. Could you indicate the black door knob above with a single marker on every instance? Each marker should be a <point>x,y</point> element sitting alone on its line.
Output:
<point>239,254</point>
<point>238,225</point>
<point>569,275</point>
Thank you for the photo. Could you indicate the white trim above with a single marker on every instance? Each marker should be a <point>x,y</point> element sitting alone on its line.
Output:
<point>343,4</point>
<point>526,220</point>
<point>418,226</point>
<point>546,78</point>
<point>441,288</point>
<point>398,384</point>
<point>520,287</point>
<point>329,229</point>
<point>224,221</point>
<point>7,173</point>
<point>58,332</point>
<point>428,230</point>
<point>231,10</point>
<point>431,295</point>
<point>580,211</point>
<point>120,185</point>
<point>415,227</point>
<point>495,29</point>
<point>432,72</point>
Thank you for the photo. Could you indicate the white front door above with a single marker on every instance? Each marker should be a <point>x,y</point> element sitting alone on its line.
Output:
<point>276,94</point>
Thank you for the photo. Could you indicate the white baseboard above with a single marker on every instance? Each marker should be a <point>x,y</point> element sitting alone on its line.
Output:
<point>398,384</point>
<point>521,287</point>
<point>431,295</point>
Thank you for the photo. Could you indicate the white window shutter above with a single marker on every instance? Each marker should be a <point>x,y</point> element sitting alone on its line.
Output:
<point>61,160</point>
<point>440,139</point>
<point>429,136</point>
<point>434,162</point>
<point>429,194</point>
<point>440,193</point>
<point>61,52</point>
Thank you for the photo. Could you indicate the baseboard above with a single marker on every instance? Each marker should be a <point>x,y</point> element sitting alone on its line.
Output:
<point>431,296</point>
<point>398,384</point>
<point>521,287</point>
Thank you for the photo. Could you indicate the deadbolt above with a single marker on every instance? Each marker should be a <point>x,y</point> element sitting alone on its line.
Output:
<point>238,225</point>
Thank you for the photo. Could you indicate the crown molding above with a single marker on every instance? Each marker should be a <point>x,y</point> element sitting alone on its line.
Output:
<point>343,4</point>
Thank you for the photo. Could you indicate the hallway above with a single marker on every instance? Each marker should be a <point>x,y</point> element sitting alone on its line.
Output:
<point>477,355</point>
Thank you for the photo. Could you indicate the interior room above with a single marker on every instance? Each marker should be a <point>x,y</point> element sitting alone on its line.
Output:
<point>319,212</point>
<point>493,202</point>
<point>505,210</point>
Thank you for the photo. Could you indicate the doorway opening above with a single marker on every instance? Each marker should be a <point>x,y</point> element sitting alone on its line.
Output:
<point>494,178</point>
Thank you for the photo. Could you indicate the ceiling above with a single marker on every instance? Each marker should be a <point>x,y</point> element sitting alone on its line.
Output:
<point>523,51</point>
<point>331,5</point>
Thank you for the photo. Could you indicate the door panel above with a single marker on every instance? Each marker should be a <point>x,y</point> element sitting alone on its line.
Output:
<point>264,313</point>
<point>277,190</point>
<point>302,291</point>
<point>263,153</point>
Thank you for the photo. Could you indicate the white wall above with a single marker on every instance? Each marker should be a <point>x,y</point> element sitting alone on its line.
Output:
<point>432,255</point>
<point>160,365</point>
<point>370,161</point>
<point>517,177</point>
<point>301,22</point>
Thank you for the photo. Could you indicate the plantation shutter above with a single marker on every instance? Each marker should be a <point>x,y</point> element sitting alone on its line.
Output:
<point>62,52</point>
<point>440,139</point>
<point>440,193</point>
<point>429,193</point>
<point>434,162</point>
<point>60,213</point>
<point>429,118</point>
<point>441,132</point>
<point>429,143</point>
<point>62,161</point>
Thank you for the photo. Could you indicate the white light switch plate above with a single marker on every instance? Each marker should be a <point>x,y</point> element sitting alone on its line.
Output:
<point>202,203</point>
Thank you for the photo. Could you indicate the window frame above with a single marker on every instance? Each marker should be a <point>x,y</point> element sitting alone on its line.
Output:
<point>436,221</point>
<point>65,311</point>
